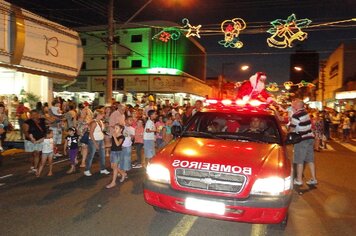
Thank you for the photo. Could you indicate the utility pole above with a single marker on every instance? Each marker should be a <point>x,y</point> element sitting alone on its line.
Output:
<point>109,43</point>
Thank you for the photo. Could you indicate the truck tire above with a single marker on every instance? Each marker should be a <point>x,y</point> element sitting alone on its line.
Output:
<point>160,210</point>
<point>281,226</point>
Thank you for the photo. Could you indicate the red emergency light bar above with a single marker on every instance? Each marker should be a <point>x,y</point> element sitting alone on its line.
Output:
<point>239,102</point>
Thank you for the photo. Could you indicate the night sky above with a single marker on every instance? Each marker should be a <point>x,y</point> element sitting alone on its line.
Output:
<point>210,13</point>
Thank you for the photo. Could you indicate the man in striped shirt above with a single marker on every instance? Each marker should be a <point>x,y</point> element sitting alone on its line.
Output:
<point>304,151</point>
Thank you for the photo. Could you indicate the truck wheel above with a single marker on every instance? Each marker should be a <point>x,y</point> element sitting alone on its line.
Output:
<point>283,224</point>
<point>160,210</point>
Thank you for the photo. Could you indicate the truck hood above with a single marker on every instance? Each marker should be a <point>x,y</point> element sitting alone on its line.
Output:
<point>223,155</point>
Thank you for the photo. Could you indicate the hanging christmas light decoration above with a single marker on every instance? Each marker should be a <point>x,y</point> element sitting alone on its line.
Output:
<point>231,30</point>
<point>285,32</point>
<point>311,85</point>
<point>167,34</point>
<point>192,30</point>
<point>164,37</point>
<point>288,85</point>
<point>272,87</point>
<point>303,83</point>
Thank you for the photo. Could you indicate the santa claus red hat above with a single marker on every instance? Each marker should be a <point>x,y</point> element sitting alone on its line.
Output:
<point>257,78</point>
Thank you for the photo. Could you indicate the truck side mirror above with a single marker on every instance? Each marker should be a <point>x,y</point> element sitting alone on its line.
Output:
<point>176,130</point>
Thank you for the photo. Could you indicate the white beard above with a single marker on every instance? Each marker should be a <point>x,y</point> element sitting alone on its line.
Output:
<point>260,86</point>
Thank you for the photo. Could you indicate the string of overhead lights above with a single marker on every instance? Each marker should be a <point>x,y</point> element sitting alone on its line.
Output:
<point>284,32</point>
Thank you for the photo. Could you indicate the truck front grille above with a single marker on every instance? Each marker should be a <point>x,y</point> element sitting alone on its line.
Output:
<point>210,180</point>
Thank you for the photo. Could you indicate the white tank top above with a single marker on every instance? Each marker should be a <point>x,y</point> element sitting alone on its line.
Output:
<point>98,132</point>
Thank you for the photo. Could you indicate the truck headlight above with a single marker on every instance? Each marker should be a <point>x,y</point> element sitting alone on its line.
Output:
<point>271,186</point>
<point>159,173</point>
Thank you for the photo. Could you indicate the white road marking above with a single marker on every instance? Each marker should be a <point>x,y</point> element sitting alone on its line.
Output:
<point>6,176</point>
<point>329,148</point>
<point>348,146</point>
<point>184,226</point>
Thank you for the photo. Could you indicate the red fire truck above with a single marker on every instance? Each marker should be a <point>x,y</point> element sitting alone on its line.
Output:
<point>230,162</point>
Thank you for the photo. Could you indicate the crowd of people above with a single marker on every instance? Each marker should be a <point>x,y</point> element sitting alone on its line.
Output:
<point>65,128</point>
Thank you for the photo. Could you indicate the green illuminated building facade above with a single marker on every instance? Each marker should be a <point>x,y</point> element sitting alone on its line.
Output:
<point>174,70</point>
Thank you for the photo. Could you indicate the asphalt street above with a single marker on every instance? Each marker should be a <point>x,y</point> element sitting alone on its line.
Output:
<point>79,205</point>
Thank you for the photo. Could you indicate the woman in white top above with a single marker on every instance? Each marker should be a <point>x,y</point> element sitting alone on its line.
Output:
<point>96,142</point>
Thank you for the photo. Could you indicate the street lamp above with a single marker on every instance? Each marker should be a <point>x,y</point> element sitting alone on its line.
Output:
<point>298,68</point>
<point>245,67</point>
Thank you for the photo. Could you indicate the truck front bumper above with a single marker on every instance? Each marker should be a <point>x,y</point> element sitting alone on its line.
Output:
<point>255,209</point>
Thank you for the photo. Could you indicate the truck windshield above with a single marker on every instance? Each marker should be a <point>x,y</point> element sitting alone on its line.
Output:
<point>246,127</point>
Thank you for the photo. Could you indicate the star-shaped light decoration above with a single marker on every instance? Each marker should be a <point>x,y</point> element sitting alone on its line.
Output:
<point>285,32</point>
<point>192,30</point>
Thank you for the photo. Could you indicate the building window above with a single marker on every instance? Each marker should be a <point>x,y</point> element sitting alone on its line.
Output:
<point>136,63</point>
<point>334,70</point>
<point>84,41</point>
<point>84,65</point>
<point>118,84</point>
<point>117,39</point>
<point>136,38</point>
<point>115,64</point>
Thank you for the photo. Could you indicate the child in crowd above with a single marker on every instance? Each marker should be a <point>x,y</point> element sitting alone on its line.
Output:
<point>138,143</point>
<point>149,136</point>
<point>159,125</point>
<point>129,133</point>
<point>71,144</point>
<point>346,127</point>
<point>117,140</point>
<point>167,135</point>
<point>47,153</point>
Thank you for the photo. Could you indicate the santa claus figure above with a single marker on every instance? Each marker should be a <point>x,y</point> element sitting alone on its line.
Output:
<point>254,88</point>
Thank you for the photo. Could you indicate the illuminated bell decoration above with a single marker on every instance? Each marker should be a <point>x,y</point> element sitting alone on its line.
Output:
<point>288,85</point>
<point>231,30</point>
<point>192,30</point>
<point>272,87</point>
<point>285,32</point>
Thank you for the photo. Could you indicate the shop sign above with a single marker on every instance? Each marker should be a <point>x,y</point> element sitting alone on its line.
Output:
<point>50,46</point>
<point>346,95</point>
<point>167,83</point>
<point>38,45</point>
<point>136,83</point>
<point>98,83</point>
<point>179,84</point>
